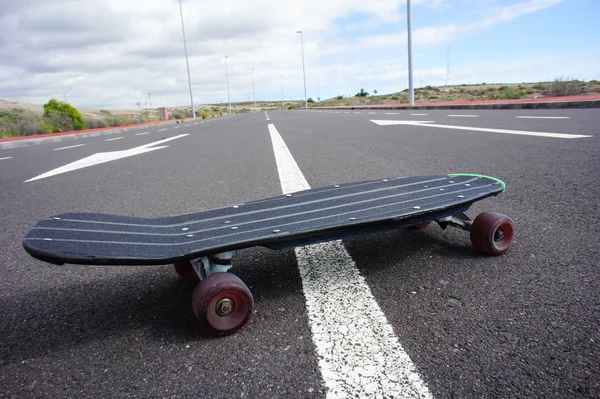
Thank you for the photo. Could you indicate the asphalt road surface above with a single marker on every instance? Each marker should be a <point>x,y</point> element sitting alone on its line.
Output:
<point>429,317</point>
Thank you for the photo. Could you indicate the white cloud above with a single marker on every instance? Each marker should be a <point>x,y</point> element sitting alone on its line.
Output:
<point>110,53</point>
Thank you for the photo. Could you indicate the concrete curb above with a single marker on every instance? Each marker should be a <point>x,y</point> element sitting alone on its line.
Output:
<point>25,141</point>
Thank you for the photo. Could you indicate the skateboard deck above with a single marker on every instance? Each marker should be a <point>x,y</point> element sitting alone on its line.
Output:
<point>299,218</point>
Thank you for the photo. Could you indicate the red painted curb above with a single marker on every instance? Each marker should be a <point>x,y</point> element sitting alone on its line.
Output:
<point>40,136</point>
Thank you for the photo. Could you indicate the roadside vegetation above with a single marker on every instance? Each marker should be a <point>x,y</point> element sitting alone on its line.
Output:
<point>477,92</point>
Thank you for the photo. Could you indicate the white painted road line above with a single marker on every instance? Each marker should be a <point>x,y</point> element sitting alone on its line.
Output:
<point>115,138</point>
<point>103,157</point>
<point>359,354</point>
<point>195,123</point>
<point>419,114</point>
<point>176,127</point>
<point>71,146</point>
<point>141,134</point>
<point>464,116</point>
<point>2,159</point>
<point>392,113</point>
<point>161,130</point>
<point>372,113</point>
<point>358,112</point>
<point>347,112</point>
<point>543,117</point>
<point>483,129</point>
<point>268,119</point>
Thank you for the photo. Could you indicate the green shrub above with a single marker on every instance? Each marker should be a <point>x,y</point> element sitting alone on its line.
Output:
<point>59,112</point>
<point>529,91</point>
<point>395,98</point>
<point>93,123</point>
<point>504,88</point>
<point>540,87</point>
<point>491,89</point>
<point>204,115</point>
<point>310,100</point>
<point>594,82</point>
<point>105,112</point>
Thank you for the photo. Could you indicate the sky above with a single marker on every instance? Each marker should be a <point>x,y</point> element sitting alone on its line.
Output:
<point>118,54</point>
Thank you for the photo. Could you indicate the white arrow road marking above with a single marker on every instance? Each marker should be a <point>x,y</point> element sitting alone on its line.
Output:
<point>103,157</point>
<point>71,146</point>
<point>484,129</point>
<point>359,354</point>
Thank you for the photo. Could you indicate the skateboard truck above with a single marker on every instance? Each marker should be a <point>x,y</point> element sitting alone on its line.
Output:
<point>207,265</point>
<point>459,220</point>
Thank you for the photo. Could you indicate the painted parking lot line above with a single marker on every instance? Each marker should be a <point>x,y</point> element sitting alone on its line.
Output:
<point>359,353</point>
<point>71,146</point>
<point>543,117</point>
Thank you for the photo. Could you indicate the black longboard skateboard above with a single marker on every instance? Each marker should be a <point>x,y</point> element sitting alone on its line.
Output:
<point>201,245</point>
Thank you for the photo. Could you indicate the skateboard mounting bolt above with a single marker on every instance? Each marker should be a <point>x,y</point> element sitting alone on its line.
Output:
<point>225,307</point>
<point>276,231</point>
<point>385,179</point>
<point>426,186</point>
<point>288,195</point>
<point>185,229</point>
<point>451,181</point>
<point>352,218</point>
<point>234,228</point>
<point>461,196</point>
<point>468,185</point>
<point>416,207</point>
<point>236,206</point>
<point>190,235</point>
<point>47,239</point>
<point>337,185</point>
<point>55,218</point>
<point>227,221</point>
<point>442,189</point>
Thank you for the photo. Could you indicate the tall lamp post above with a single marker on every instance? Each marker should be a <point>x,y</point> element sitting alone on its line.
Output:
<point>281,81</point>
<point>411,89</point>
<point>227,78</point>
<point>187,63</point>
<point>303,70</point>
<point>253,91</point>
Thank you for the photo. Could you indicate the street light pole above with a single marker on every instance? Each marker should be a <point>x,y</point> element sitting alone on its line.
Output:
<point>411,90</point>
<point>303,70</point>
<point>253,91</point>
<point>186,62</point>
<point>281,81</point>
<point>318,89</point>
<point>227,78</point>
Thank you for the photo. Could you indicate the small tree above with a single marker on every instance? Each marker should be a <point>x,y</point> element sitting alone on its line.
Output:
<point>63,116</point>
<point>310,100</point>
<point>361,93</point>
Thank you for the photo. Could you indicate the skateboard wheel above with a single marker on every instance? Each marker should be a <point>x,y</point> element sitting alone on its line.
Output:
<point>185,270</point>
<point>420,225</point>
<point>492,233</point>
<point>222,303</point>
